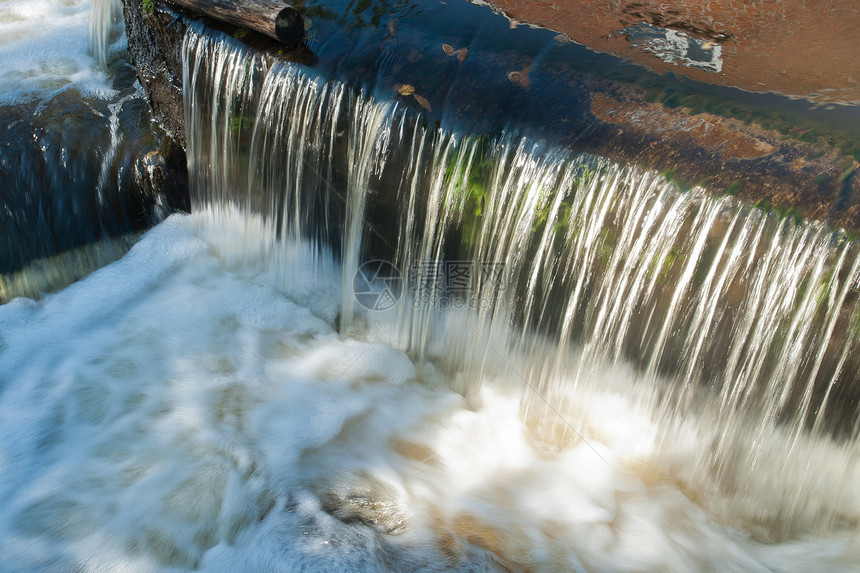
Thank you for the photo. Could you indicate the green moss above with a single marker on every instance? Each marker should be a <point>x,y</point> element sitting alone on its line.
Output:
<point>855,325</point>
<point>763,204</point>
<point>735,188</point>
<point>606,244</point>
<point>149,6</point>
<point>847,173</point>
<point>823,288</point>
<point>810,135</point>
<point>672,101</point>
<point>241,33</point>
<point>665,265</point>
<point>465,182</point>
<point>681,183</point>
<point>794,213</point>
<point>695,102</point>
<point>240,122</point>
<point>669,174</point>
<point>652,95</point>
<point>563,220</point>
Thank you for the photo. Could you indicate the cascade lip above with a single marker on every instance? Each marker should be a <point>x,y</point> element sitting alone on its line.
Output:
<point>492,79</point>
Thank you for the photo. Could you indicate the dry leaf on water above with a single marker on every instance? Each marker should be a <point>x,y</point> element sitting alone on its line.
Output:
<point>423,102</point>
<point>461,54</point>
<point>520,77</point>
<point>407,90</point>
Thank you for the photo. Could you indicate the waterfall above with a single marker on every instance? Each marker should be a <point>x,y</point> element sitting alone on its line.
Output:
<point>105,20</point>
<point>558,267</point>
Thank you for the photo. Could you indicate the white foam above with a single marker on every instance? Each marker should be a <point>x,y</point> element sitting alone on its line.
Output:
<point>44,50</point>
<point>179,409</point>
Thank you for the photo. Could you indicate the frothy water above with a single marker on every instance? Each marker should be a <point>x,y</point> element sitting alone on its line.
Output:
<point>45,49</point>
<point>654,380</point>
<point>176,410</point>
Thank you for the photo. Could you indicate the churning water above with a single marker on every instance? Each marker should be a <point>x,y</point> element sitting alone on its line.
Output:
<point>575,366</point>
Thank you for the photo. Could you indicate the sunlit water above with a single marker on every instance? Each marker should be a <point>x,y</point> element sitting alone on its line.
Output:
<point>45,48</point>
<point>176,409</point>
<point>218,399</point>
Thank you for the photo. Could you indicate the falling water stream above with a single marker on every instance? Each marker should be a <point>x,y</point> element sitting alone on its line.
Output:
<point>567,364</point>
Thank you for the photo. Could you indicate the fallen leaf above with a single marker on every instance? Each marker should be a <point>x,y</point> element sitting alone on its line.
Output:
<point>405,89</point>
<point>520,77</point>
<point>707,45</point>
<point>391,29</point>
<point>461,54</point>
<point>423,102</point>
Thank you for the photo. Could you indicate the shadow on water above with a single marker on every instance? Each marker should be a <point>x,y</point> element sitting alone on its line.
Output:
<point>473,72</point>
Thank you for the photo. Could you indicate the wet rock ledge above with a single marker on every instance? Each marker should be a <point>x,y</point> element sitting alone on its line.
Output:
<point>155,34</point>
<point>795,171</point>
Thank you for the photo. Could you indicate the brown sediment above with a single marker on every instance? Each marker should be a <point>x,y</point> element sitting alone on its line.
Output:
<point>707,130</point>
<point>361,498</point>
<point>511,555</point>
<point>415,451</point>
<point>812,178</point>
<point>802,48</point>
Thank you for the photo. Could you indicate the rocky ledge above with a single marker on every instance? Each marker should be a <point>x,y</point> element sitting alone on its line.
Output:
<point>793,170</point>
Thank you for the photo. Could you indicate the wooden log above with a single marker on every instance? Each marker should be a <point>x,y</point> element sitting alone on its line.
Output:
<point>269,17</point>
